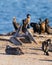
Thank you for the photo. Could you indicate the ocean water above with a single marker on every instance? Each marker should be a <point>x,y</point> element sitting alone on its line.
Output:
<point>19,9</point>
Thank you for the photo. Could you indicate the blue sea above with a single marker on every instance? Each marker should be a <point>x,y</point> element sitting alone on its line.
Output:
<point>19,9</point>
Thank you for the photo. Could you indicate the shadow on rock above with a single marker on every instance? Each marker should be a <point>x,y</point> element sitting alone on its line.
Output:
<point>35,49</point>
<point>45,60</point>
